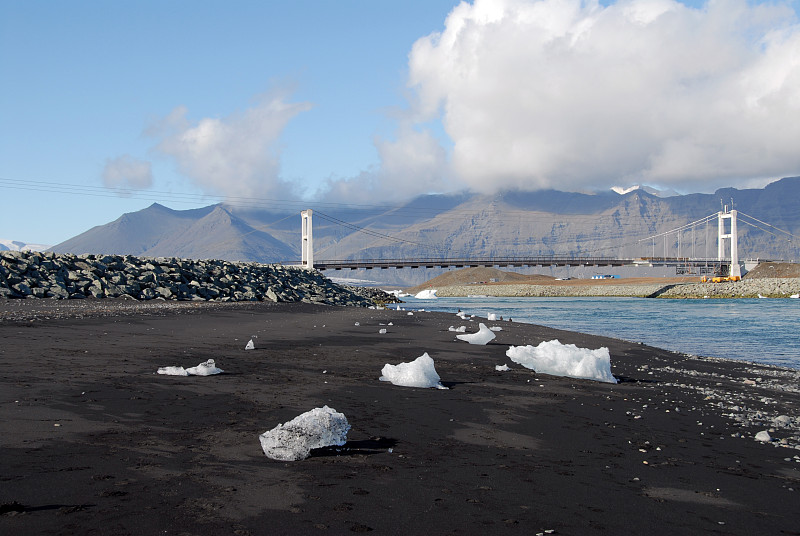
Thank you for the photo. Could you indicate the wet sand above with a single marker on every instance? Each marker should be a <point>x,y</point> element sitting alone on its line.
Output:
<point>94,442</point>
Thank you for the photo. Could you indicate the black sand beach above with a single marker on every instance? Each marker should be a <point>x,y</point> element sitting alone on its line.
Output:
<point>95,442</point>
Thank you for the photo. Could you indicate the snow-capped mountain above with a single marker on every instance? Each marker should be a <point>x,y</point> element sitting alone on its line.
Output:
<point>649,189</point>
<point>16,245</point>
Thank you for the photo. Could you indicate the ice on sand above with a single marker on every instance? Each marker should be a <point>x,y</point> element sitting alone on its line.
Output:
<point>763,436</point>
<point>417,373</point>
<point>293,440</point>
<point>173,371</point>
<point>204,369</point>
<point>552,357</point>
<point>491,316</point>
<point>207,368</point>
<point>501,368</point>
<point>250,345</point>
<point>429,294</point>
<point>459,329</point>
<point>483,336</point>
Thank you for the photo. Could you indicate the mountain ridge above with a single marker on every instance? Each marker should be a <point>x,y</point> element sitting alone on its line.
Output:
<point>459,225</point>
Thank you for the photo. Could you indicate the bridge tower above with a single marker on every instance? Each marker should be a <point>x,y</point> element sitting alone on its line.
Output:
<point>736,270</point>
<point>307,246</point>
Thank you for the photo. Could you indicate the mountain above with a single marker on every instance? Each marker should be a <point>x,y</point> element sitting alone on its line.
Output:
<point>649,189</point>
<point>512,223</point>
<point>16,245</point>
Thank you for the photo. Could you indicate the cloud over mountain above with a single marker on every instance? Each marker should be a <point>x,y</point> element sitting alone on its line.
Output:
<point>572,94</point>
<point>233,156</point>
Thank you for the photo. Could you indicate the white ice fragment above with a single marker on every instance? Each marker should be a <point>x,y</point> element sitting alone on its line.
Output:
<point>358,323</point>
<point>491,316</point>
<point>250,345</point>
<point>204,369</point>
<point>398,307</point>
<point>764,436</point>
<point>501,368</point>
<point>390,324</point>
<point>496,328</point>
<point>417,373</point>
<point>462,315</point>
<point>459,329</point>
<point>428,294</point>
<point>795,296</point>
<point>173,371</point>
<point>409,314</point>
<point>382,331</point>
<point>552,357</point>
<point>293,440</point>
<point>483,336</point>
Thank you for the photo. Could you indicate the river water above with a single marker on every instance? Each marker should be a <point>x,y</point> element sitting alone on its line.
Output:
<point>760,330</point>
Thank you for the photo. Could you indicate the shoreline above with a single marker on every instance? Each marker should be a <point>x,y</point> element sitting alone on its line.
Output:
<point>95,441</point>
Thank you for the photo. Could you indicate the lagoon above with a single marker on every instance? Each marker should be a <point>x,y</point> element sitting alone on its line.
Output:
<point>759,330</point>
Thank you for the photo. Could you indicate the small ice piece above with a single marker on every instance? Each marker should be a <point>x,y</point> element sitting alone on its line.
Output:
<point>390,324</point>
<point>501,368</point>
<point>462,315</point>
<point>491,316</point>
<point>204,369</point>
<point>483,336</point>
<point>552,357</point>
<point>409,314</point>
<point>173,371</point>
<point>398,307</point>
<point>293,440</point>
<point>428,294</point>
<point>418,373</point>
<point>764,436</point>
<point>496,328</point>
<point>382,331</point>
<point>459,329</point>
<point>250,345</point>
<point>795,296</point>
<point>358,323</point>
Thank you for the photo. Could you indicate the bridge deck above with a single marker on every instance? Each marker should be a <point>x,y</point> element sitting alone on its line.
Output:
<point>384,264</point>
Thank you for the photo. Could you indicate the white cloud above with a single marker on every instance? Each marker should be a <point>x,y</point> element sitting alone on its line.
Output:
<point>127,172</point>
<point>234,156</point>
<point>570,94</point>
<point>412,164</point>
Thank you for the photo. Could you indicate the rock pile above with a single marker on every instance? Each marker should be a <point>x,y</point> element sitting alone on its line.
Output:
<point>49,275</point>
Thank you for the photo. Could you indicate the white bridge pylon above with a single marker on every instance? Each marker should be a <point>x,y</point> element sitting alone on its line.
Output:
<point>722,236</point>
<point>307,246</point>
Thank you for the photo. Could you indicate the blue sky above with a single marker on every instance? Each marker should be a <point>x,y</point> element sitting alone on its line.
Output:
<point>189,103</point>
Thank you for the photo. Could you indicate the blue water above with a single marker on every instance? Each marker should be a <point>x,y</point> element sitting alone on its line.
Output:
<point>760,330</point>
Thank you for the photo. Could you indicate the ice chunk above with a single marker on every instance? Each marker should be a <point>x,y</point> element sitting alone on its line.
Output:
<point>204,369</point>
<point>491,316</point>
<point>173,371</point>
<point>764,436</point>
<point>459,329</point>
<point>496,328</point>
<point>429,294</point>
<point>552,357</point>
<point>250,345</point>
<point>293,440</point>
<point>382,331</point>
<point>358,323</point>
<point>501,368</point>
<point>483,336</point>
<point>417,373</point>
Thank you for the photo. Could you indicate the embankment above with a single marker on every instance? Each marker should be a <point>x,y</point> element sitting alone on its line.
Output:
<point>66,276</point>
<point>752,288</point>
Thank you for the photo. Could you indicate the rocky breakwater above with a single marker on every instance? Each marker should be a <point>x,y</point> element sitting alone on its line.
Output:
<point>549,291</point>
<point>67,276</point>
<point>746,288</point>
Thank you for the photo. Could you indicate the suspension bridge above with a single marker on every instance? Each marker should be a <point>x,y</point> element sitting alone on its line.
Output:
<point>726,262</point>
